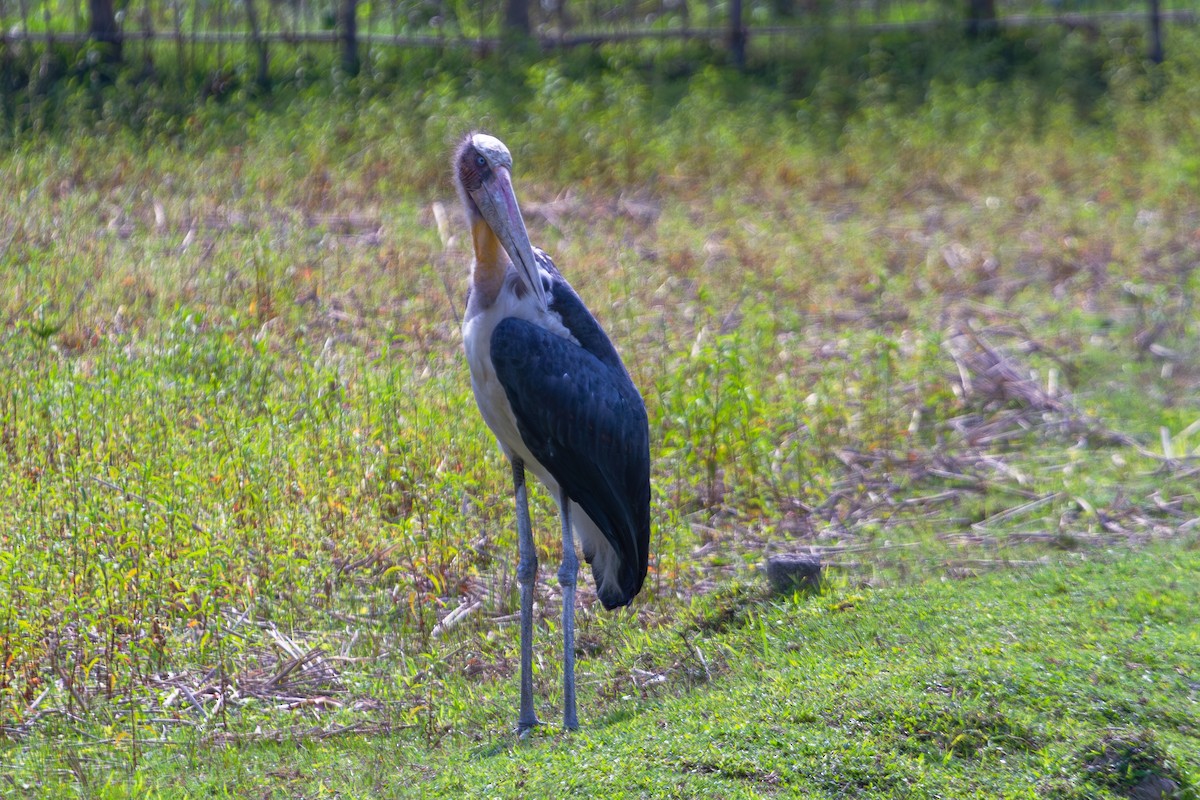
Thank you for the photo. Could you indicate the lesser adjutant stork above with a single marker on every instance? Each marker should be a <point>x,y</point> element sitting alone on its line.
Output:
<point>553,390</point>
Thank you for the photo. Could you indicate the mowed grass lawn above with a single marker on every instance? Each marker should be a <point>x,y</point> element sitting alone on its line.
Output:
<point>255,539</point>
<point>1070,681</point>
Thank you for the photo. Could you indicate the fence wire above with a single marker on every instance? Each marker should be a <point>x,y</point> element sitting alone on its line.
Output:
<point>480,23</point>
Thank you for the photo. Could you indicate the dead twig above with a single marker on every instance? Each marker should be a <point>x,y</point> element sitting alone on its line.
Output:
<point>305,734</point>
<point>1016,511</point>
<point>455,617</point>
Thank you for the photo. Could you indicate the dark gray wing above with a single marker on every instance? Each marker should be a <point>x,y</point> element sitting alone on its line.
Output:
<point>585,422</point>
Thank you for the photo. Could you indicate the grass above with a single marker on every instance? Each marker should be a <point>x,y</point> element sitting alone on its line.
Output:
<point>1044,683</point>
<point>929,330</point>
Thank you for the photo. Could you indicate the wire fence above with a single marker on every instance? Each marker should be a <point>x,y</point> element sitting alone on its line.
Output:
<point>481,24</point>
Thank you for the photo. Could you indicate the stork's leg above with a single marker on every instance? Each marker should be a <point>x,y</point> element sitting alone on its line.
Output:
<point>567,574</point>
<point>526,575</point>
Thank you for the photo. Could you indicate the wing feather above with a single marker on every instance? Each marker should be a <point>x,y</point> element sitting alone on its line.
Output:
<point>584,421</point>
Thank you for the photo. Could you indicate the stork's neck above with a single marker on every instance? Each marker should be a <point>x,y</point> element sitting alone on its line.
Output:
<point>491,262</point>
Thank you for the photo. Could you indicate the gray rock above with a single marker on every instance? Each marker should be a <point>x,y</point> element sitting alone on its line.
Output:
<point>1154,787</point>
<point>787,573</point>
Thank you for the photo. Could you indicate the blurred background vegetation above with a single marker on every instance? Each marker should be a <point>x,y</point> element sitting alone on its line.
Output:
<point>217,47</point>
<point>152,66</point>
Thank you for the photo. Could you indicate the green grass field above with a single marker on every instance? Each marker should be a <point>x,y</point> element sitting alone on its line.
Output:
<point>1038,684</point>
<point>941,335</point>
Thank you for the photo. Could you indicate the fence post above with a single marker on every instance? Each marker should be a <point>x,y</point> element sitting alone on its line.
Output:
<point>737,34</point>
<point>981,18</point>
<point>1156,43</point>
<point>516,18</point>
<point>260,44</point>
<point>348,22</point>
<point>103,28</point>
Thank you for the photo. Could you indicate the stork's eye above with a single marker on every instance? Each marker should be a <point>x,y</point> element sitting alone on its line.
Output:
<point>481,161</point>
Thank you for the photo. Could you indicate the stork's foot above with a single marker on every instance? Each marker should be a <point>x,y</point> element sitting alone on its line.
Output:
<point>524,726</point>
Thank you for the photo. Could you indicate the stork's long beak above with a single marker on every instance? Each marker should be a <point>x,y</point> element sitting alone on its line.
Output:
<point>498,203</point>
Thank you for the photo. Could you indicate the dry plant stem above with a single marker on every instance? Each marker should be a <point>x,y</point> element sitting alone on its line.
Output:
<point>455,617</point>
<point>1000,378</point>
<point>296,734</point>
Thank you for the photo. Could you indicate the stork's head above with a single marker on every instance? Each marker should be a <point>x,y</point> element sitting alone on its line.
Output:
<point>482,170</point>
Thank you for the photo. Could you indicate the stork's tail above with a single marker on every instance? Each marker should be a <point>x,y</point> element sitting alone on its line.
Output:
<point>618,579</point>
